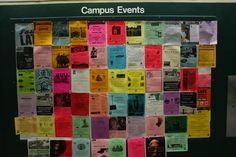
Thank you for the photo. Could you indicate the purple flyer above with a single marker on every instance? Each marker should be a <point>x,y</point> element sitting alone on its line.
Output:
<point>171,103</point>
<point>100,127</point>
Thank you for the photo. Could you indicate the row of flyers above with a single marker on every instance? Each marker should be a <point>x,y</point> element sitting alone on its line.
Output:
<point>113,127</point>
<point>116,57</point>
<point>61,33</point>
<point>116,147</point>
<point>96,105</point>
<point>113,81</point>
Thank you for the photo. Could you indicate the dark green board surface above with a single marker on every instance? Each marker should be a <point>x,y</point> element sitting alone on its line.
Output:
<point>217,145</point>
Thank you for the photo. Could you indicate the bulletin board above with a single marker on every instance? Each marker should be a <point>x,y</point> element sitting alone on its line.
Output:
<point>135,116</point>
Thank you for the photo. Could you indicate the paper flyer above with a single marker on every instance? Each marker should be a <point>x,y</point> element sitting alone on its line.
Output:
<point>42,33</point>
<point>117,147</point>
<point>98,57</point>
<point>155,146</point>
<point>60,56</point>
<point>190,32</point>
<point>98,80</point>
<point>153,80</point>
<point>155,125</point>
<point>62,104</point>
<point>99,148</point>
<point>78,32</point>
<point>80,147</point>
<point>204,97</point>
<point>24,58</point>
<point>171,103</point>
<point>116,33</point>
<point>98,104</point>
<point>117,81</point>
<point>171,79</point>
<point>60,148</point>
<point>117,127</point>
<point>80,81</point>
<point>135,126</point>
<point>171,56</point>
<point>188,102</point>
<point>26,104</point>
<point>44,103</point>
<point>63,126</point>
<point>172,33</point>
<point>24,34</point>
<point>136,81</point>
<point>117,57</point>
<point>154,104</point>
<point>176,124</point>
<point>45,126</point>
<point>96,33</point>
<point>204,77</point>
<point>134,32</point>
<point>100,127</point>
<point>79,57</point>
<point>118,104</point>
<point>81,126</point>
<point>42,57</point>
<point>199,125</point>
<point>153,56</point>
<point>208,33</point>
<point>25,81</point>
<point>153,32</point>
<point>176,142</point>
<point>80,104</point>
<point>188,55</point>
<point>136,147</point>
<point>135,56</point>
<point>136,104</point>
<point>26,125</point>
<point>188,79</point>
<point>38,147</point>
<point>207,56</point>
<point>60,33</point>
<point>61,80</point>
<point>43,80</point>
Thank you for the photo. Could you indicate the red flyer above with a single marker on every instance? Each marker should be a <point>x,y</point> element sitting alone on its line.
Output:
<point>188,79</point>
<point>204,97</point>
<point>80,104</point>
<point>153,56</point>
<point>116,32</point>
<point>63,126</point>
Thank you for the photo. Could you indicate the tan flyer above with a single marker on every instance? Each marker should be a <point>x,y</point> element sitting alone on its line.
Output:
<point>26,125</point>
<point>46,126</point>
<point>42,33</point>
<point>78,32</point>
<point>199,124</point>
<point>207,56</point>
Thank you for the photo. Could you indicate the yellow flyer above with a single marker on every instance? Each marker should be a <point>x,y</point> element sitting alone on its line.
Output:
<point>134,32</point>
<point>98,80</point>
<point>46,126</point>
<point>26,125</point>
<point>117,81</point>
<point>60,56</point>
<point>207,56</point>
<point>199,124</point>
<point>136,81</point>
<point>42,33</point>
<point>78,32</point>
